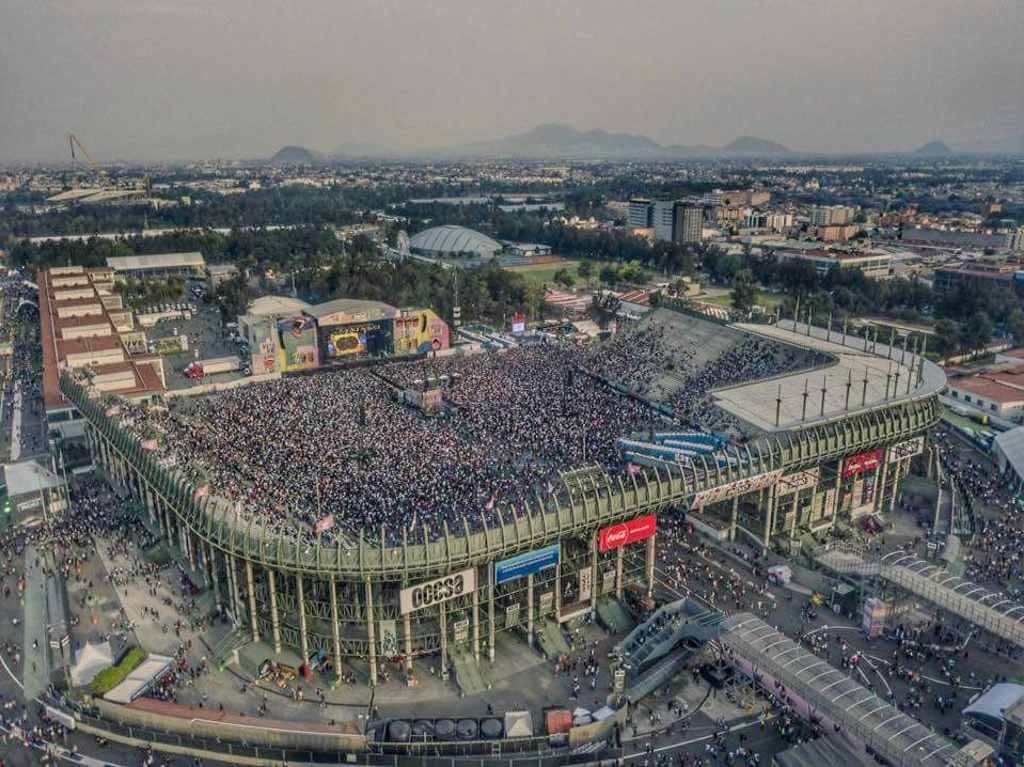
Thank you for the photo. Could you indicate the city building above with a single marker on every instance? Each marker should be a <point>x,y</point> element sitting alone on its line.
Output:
<point>836,232</point>
<point>639,213</point>
<point>1015,240</point>
<point>994,272</point>
<point>157,265</point>
<point>876,265</point>
<point>954,239</point>
<point>85,327</point>
<point>999,392</point>
<point>688,223</point>
<point>828,215</point>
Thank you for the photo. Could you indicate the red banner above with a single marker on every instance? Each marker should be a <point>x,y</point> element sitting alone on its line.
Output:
<point>324,524</point>
<point>639,529</point>
<point>858,464</point>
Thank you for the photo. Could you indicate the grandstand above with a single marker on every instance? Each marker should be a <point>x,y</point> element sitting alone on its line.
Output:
<point>325,516</point>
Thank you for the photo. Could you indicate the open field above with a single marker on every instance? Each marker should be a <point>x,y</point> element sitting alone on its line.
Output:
<point>545,273</point>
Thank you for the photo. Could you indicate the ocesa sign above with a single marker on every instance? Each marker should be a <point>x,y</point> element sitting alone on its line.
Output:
<point>639,529</point>
<point>437,591</point>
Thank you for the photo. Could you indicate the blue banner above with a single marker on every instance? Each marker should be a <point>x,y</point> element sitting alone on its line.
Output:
<point>529,563</point>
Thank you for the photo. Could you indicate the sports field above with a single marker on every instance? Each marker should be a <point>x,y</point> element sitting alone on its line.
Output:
<point>545,273</point>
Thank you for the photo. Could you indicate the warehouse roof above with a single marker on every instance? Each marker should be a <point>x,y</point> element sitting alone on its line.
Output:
<point>156,261</point>
<point>367,310</point>
<point>269,306</point>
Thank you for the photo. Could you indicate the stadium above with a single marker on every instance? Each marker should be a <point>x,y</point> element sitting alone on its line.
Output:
<point>446,505</point>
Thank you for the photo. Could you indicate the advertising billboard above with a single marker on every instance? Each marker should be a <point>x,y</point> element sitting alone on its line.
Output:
<point>297,337</point>
<point>518,324</point>
<point>530,563</point>
<point>862,462</point>
<point>437,591</point>
<point>906,449</point>
<point>639,529</point>
<point>418,331</point>
<point>733,489</point>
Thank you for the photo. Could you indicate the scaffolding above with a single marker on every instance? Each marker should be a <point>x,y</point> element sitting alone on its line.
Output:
<point>833,695</point>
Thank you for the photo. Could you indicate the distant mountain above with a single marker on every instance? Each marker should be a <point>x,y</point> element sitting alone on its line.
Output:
<point>756,146</point>
<point>933,149</point>
<point>294,155</point>
<point>554,140</point>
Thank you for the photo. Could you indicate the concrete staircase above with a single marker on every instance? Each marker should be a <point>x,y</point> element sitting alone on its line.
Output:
<point>614,617</point>
<point>467,672</point>
<point>552,641</point>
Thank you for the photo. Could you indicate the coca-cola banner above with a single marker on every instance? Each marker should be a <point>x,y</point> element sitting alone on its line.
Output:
<point>858,464</point>
<point>639,529</point>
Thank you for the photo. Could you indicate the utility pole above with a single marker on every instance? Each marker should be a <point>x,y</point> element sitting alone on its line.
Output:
<point>803,412</point>
<point>864,391</point>
<point>824,388</point>
<point>849,383</point>
<point>778,405</point>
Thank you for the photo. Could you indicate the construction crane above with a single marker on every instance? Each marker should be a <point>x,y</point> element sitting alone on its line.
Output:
<point>73,141</point>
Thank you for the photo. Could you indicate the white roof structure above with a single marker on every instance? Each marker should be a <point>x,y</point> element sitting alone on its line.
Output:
<point>275,306</point>
<point>29,477</point>
<point>192,259</point>
<point>1011,445</point>
<point>137,682</point>
<point>90,660</point>
<point>453,240</point>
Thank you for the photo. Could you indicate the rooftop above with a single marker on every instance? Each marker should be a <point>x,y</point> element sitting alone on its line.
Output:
<point>157,261</point>
<point>373,310</point>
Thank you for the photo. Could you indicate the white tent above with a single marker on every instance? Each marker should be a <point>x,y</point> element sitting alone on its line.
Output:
<point>140,680</point>
<point>518,724</point>
<point>90,659</point>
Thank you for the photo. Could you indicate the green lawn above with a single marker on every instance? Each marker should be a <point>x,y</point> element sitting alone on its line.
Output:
<point>545,273</point>
<point>767,300</point>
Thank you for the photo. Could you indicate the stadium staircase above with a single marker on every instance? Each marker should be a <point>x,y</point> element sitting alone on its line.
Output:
<point>552,641</point>
<point>467,672</point>
<point>658,648</point>
<point>614,617</point>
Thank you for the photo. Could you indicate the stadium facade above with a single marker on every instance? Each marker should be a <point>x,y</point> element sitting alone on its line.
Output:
<point>364,598</point>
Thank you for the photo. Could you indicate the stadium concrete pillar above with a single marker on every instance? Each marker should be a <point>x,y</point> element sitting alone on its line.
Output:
<point>593,575</point>
<point>214,576</point>
<point>734,518</point>
<point>371,638</point>
<point>250,580</point>
<point>792,515</point>
<point>769,516</point>
<point>529,610</point>
<point>335,630</point>
<point>407,621</point>
<point>490,612</point>
<point>620,556</point>
<point>190,548</point>
<point>300,596</point>
<point>880,485</point>
<point>236,602</point>
<point>558,590</point>
<point>443,623</point>
<point>275,619</point>
<point>476,625</point>
<point>651,551</point>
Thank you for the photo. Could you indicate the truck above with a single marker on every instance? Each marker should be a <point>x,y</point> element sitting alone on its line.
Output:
<point>202,368</point>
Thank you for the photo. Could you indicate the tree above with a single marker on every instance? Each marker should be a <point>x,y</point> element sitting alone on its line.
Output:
<point>977,331</point>
<point>609,275</point>
<point>744,293</point>
<point>585,271</point>
<point>564,278</point>
<point>1015,324</point>
<point>947,337</point>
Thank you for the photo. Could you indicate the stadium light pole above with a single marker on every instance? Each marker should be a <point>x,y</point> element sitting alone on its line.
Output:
<point>778,405</point>
<point>849,383</point>
<point>828,332</point>
<point>803,412</point>
<point>920,360</point>
<point>824,389</point>
<point>846,321</point>
<point>864,392</point>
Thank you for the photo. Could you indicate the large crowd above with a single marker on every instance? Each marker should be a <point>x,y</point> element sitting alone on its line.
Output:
<point>340,444</point>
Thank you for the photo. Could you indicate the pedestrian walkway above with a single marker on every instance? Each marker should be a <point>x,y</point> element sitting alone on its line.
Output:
<point>36,675</point>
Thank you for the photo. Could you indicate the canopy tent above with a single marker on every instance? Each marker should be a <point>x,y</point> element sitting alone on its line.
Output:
<point>90,659</point>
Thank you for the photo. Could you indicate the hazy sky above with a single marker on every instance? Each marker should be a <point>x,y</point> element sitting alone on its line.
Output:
<point>238,78</point>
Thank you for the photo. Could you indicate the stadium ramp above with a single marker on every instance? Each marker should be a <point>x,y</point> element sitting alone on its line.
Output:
<point>467,672</point>
<point>552,641</point>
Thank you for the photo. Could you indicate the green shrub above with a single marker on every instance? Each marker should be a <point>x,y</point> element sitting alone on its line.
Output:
<point>110,678</point>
